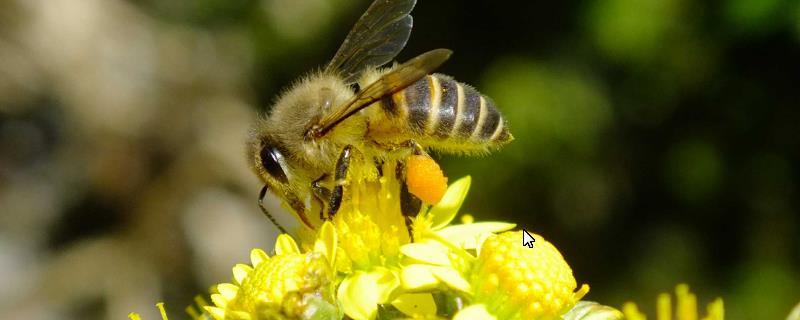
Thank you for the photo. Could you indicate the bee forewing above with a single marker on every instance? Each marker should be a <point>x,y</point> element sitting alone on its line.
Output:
<point>391,82</point>
<point>377,37</point>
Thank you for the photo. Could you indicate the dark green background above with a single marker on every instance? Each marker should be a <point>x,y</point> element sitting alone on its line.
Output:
<point>657,141</point>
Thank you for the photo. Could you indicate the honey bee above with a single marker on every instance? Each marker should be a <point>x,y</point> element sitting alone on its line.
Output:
<point>354,113</point>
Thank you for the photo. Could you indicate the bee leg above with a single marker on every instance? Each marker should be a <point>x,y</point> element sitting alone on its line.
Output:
<point>320,193</point>
<point>261,196</point>
<point>415,147</point>
<point>340,179</point>
<point>379,166</point>
<point>410,205</point>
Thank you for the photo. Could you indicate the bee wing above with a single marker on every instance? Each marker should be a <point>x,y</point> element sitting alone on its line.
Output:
<point>380,33</point>
<point>395,80</point>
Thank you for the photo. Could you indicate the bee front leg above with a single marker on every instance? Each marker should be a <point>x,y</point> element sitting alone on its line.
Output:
<point>321,194</point>
<point>340,179</point>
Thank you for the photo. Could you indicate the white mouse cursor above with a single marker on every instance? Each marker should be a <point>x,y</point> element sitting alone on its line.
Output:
<point>527,239</point>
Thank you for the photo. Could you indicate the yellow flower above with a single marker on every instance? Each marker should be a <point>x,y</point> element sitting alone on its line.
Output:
<point>374,243</point>
<point>160,306</point>
<point>501,278</point>
<point>434,224</point>
<point>370,228</point>
<point>290,284</point>
<point>511,281</point>
<point>363,262</point>
<point>441,256</point>
<point>686,308</point>
<point>193,312</point>
<point>380,264</point>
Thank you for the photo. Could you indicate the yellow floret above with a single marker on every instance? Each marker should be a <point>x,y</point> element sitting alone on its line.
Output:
<point>517,282</point>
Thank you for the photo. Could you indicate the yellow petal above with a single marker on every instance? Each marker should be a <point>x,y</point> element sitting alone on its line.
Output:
<point>240,272</point>
<point>327,242</point>
<point>588,310</point>
<point>359,296</point>
<point>452,278</point>
<point>468,236</point>
<point>447,208</point>
<point>415,304</point>
<point>474,312</point>
<point>217,313</point>
<point>257,256</point>
<point>418,277</point>
<point>428,252</point>
<point>386,282</point>
<point>686,302</point>
<point>664,306</point>
<point>716,311</point>
<point>192,312</point>
<point>582,291</point>
<point>631,312</point>
<point>238,315</point>
<point>227,290</point>
<point>161,310</point>
<point>285,245</point>
<point>219,300</point>
<point>200,301</point>
<point>794,315</point>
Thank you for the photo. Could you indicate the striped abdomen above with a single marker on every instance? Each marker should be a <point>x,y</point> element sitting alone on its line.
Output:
<point>439,108</point>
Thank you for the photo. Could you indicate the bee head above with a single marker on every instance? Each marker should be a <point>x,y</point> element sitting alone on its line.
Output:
<point>273,167</point>
<point>273,163</point>
<point>270,163</point>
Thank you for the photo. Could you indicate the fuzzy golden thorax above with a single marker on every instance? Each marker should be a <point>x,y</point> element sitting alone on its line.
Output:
<point>301,159</point>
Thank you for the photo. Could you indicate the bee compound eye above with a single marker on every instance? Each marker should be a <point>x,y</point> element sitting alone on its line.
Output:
<point>271,160</point>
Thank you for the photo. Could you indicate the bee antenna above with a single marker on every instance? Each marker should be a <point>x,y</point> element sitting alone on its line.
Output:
<point>261,196</point>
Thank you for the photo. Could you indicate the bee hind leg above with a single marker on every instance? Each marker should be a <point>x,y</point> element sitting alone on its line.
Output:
<point>340,179</point>
<point>416,148</point>
<point>410,205</point>
<point>378,166</point>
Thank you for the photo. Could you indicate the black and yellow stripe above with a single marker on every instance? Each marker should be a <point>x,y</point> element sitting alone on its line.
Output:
<point>439,107</point>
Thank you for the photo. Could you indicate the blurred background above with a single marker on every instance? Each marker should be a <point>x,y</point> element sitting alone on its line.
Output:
<point>657,142</point>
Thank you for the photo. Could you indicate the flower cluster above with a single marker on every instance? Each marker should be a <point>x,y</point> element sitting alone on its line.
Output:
<point>365,264</point>
<point>685,307</point>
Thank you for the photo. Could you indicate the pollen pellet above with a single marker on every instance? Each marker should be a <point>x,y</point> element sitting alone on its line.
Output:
<point>425,179</point>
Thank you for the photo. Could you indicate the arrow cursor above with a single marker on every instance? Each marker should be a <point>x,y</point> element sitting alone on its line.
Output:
<point>527,239</point>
